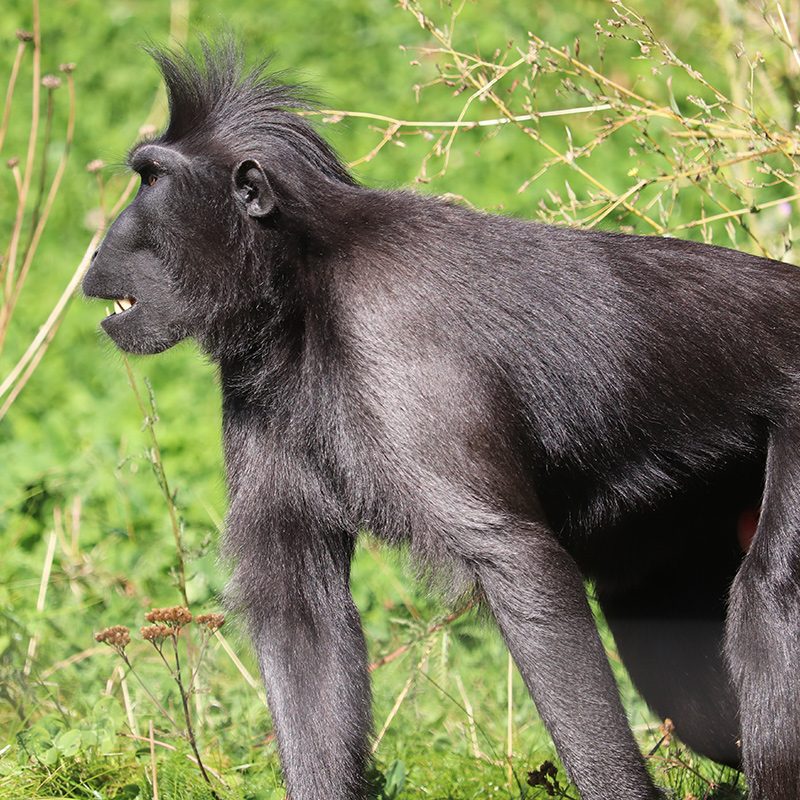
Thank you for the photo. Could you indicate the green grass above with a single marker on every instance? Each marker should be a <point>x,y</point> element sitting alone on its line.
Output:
<point>86,531</point>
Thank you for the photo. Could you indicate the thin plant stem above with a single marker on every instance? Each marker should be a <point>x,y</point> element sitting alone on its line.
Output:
<point>187,715</point>
<point>153,762</point>
<point>12,82</point>
<point>336,114</point>
<point>32,137</point>
<point>144,686</point>
<point>429,631</point>
<point>206,638</point>
<point>173,749</point>
<point>46,139</point>
<point>150,418</point>
<point>41,222</point>
<point>41,341</point>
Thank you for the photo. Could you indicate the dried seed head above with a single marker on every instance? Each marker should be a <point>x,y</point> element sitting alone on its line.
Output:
<point>12,162</point>
<point>174,615</point>
<point>51,82</point>
<point>95,166</point>
<point>212,621</point>
<point>67,68</point>
<point>115,636</point>
<point>156,633</point>
<point>24,36</point>
<point>667,729</point>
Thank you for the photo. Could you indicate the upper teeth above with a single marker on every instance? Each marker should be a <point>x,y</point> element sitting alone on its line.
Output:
<point>122,305</point>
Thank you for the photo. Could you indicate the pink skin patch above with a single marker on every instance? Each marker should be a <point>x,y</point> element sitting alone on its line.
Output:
<point>746,527</point>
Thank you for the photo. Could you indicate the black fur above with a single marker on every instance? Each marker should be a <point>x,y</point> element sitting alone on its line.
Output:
<point>525,406</point>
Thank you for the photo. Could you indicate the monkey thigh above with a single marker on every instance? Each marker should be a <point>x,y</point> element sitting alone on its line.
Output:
<point>669,630</point>
<point>678,668</point>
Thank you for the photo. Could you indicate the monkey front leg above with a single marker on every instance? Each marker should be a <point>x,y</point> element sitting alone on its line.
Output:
<point>307,633</point>
<point>536,594</point>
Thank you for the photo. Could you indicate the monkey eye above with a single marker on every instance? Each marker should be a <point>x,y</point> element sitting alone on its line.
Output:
<point>151,178</point>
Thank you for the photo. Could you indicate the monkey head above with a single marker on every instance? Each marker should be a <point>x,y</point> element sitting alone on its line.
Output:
<point>167,260</point>
<point>200,252</point>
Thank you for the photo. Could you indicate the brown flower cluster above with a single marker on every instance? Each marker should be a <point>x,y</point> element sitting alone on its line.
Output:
<point>115,636</point>
<point>156,633</point>
<point>175,615</point>
<point>212,621</point>
<point>166,623</point>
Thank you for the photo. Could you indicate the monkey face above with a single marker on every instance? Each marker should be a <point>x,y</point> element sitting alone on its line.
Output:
<point>139,264</point>
<point>180,260</point>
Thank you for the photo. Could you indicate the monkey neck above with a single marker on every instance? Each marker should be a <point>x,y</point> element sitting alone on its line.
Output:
<point>277,344</point>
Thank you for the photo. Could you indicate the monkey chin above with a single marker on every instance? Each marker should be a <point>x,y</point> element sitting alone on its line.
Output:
<point>132,331</point>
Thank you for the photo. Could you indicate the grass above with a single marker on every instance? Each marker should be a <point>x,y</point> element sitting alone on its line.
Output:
<point>659,118</point>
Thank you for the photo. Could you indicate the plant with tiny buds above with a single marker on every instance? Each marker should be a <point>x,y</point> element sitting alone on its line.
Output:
<point>211,621</point>
<point>163,634</point>
<point>35,188</point>
<point>175,615</point>
<point>117,637</point>
<point>35,185</point>
<point>155,634</point>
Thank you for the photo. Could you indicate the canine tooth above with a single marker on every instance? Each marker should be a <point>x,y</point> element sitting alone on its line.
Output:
<point>125,303</point>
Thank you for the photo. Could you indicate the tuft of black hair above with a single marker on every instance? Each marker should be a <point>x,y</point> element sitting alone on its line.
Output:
<point>215,99</point>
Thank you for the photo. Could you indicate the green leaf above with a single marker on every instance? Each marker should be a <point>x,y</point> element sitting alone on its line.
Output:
<point>88,739</point>
<point>128,792</point>
<point>395,780</point>
<point>69,742</point>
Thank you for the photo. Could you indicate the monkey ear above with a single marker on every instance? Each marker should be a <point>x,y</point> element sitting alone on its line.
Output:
<point>251,188</point>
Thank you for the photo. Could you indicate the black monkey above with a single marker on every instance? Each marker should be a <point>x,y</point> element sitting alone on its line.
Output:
<point>526,406</point>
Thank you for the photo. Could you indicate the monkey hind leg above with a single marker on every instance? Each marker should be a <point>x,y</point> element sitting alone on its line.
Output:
<point>669,627</point>
<point>678,668</point>
<point>536,594</point>
<point>763,631</point>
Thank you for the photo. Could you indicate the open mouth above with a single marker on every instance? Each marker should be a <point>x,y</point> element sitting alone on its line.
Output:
<point>121,306</point>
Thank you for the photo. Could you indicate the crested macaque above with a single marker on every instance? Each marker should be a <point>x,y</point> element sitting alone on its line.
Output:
<point>525,407</point>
